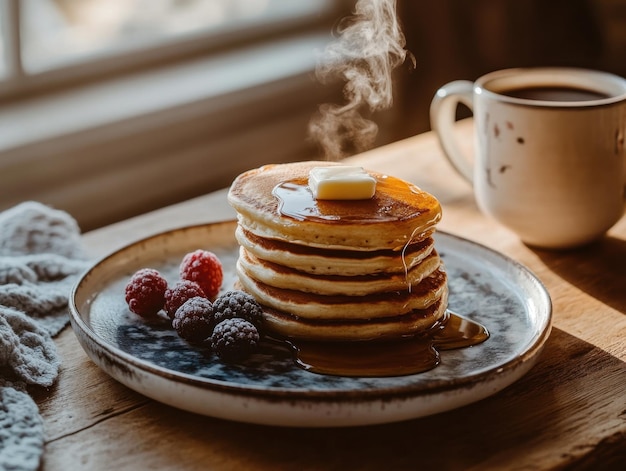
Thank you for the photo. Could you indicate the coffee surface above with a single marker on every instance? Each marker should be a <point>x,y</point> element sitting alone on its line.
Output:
<point>550,93</point>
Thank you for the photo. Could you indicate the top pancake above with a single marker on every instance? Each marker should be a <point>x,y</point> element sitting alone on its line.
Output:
<point>274,201</point>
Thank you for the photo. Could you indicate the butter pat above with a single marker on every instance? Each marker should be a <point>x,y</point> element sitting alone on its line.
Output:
<point>341,182</point>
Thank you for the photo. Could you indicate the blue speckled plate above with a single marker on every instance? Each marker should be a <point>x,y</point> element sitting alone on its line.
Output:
<point>270,389</point>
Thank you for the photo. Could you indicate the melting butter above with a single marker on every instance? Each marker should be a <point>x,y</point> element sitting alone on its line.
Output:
<point>341,182</point>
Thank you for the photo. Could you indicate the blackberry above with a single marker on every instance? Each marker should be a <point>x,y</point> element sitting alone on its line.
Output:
<point>234,339</point>
<point>239,304</point>
<point>145,292</point>
<point>193,320</point>
<point>176,295</point>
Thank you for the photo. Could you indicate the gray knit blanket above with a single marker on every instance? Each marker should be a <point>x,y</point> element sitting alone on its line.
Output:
<point>41,256</point>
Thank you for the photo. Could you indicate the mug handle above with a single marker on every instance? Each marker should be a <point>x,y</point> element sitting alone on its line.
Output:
<point>442,117</point>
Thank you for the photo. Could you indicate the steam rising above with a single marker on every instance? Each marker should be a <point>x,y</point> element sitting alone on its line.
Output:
<point>369,46</point>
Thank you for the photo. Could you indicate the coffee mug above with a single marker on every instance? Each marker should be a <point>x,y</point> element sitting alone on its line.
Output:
<point>549,159</point>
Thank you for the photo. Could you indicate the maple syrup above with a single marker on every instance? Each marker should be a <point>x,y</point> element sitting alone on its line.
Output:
<point>392,357</point>
<point>395,200</point>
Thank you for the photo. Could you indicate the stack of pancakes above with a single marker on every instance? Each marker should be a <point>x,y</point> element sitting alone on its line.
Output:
<point>339,270</point>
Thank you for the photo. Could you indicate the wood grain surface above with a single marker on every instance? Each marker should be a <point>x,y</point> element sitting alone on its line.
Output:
<point>568,412</point>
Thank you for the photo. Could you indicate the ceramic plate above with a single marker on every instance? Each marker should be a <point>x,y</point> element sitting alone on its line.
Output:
<point>270,389</point>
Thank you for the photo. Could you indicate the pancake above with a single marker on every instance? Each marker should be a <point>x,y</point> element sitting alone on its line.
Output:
<point>337,270</point>
<point>341,307</point>
<point>274,202</point>
<point>415,322</point>
<point>318,261</point>
<point>281,276</point>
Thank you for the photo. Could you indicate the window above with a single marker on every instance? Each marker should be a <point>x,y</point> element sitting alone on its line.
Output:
<point>97,95</point>
<point>47,41</point>
<point>3,66</point>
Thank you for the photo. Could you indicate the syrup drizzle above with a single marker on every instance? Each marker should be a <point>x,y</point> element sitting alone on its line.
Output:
<point>382,357</point>
<point>295,200</point>
<point>404,264</point>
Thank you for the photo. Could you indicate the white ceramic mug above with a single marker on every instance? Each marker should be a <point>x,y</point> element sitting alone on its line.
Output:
<point>549,156</point>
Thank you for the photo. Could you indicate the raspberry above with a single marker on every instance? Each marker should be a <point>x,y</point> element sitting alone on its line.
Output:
<point>193,320</point>
<point>238,304</point>
<point>204,268</point>
<point>145,292</point>
<point>176,295</point>
<point>234,339</point>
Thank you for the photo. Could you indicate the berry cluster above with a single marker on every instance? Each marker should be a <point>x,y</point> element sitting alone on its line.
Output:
<point>147,292</point>
<point>230,324</point>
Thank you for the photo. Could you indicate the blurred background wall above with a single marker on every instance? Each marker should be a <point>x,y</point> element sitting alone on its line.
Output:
<point>458,39</point>
<point>108,136</point>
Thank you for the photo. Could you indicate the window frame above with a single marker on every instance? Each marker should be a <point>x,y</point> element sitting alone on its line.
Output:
<point>18,82</point>
<point>10,30</point>
<point>88,161</point>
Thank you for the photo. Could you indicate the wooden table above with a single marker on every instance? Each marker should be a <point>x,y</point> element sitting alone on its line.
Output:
<point>568,412</point>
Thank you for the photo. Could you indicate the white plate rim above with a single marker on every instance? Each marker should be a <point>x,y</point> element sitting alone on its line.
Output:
<point>520,364</point>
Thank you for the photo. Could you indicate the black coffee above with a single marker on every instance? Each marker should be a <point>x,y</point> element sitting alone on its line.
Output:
<point>554,94</point>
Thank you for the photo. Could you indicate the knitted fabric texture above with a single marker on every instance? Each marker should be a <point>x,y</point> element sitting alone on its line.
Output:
<point>41,257</point>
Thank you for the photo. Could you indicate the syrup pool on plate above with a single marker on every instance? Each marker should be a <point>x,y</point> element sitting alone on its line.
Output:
<point>394,357</point>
